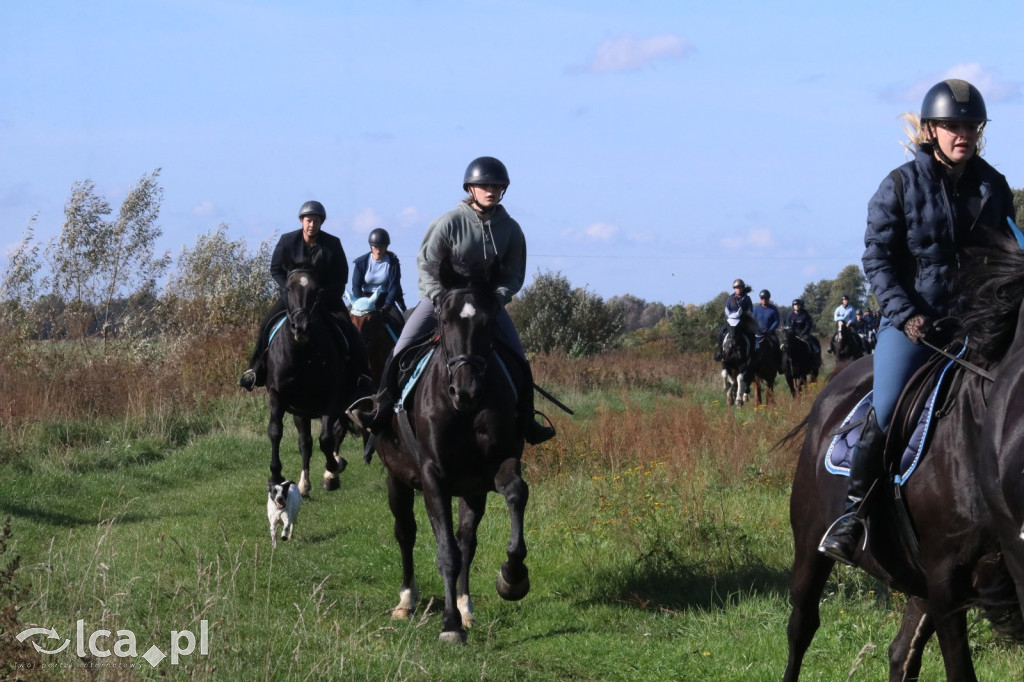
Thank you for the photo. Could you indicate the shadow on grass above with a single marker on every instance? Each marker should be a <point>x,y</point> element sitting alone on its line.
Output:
<point>669,586</point>
<point>56,518</point>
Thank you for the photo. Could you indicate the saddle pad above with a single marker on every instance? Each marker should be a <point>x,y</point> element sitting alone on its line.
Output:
<point>837,457</point>
<point>284,316</point>
<point>414,377</point>
<point>407,389</point>
<point>919,440</point>
<point>277,326</point>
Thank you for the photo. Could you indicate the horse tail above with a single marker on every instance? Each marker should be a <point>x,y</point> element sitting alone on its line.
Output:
<point>797,432</point>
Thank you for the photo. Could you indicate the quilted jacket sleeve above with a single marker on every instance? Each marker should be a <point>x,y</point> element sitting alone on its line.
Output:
<point>886,255</point>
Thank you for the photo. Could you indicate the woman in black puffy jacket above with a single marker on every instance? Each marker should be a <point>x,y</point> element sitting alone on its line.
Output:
<point>923,216</point>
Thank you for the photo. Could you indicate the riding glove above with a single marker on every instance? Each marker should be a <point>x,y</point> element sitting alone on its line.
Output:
<point>917,328</point>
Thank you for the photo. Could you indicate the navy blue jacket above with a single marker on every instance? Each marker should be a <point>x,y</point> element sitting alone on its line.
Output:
<point>767,316</point>
<point>913,247</point>
<point>393,289</point>
<point>331,269</point>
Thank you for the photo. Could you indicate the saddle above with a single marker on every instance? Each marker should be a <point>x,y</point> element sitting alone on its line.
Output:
<point>925,398</point>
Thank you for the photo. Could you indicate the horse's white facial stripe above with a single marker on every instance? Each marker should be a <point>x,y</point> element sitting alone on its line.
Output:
<point>304,281</point>
<point>468,311</point>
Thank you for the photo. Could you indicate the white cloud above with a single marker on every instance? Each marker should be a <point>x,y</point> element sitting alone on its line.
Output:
<point>366,220</point>
<point>756,237</point>
<point>601,231</point>
<point>629,53</point>
<point>408,216</point>
<point>992,87</point>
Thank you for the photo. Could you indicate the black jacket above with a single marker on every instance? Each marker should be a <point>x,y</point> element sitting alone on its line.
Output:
<point>330,268</point>
<point>914,242</point>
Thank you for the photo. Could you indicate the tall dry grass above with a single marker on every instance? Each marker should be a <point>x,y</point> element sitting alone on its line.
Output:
<point>659,407</point>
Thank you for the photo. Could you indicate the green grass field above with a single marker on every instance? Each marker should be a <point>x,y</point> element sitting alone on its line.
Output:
<point>657,527</point>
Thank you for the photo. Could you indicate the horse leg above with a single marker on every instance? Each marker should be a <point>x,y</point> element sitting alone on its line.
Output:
<point>513,581</point>
<point>328,427</point>
<point>906,650</point>
<point>810,572</point>
<point>950,621</point>
<point>303,426</point>
<point>471,511</point>
<point>439,510</point>
<point>400,500</point>
<point>727,385</point>
<point>275,430</point>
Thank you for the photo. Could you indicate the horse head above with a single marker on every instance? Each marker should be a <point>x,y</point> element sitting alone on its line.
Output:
<point>467,312</point>
<point>302,296</point>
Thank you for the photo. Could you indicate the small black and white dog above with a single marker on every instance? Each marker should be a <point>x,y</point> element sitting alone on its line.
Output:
<point>283,502</point>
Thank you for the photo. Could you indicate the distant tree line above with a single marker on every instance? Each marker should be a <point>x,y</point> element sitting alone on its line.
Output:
<point>102,279</point>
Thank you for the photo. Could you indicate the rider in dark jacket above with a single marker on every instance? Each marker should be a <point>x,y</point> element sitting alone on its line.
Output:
<point>802,324</point>
<point>920,221</point>
<point>308,247</point>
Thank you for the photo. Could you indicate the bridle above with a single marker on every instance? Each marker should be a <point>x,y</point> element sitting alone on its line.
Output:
<point>477,363</point>
<point>296,315</point>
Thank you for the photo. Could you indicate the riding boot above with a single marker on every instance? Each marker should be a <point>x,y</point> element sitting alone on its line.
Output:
<point>534,432</point>
<point>374,420</point>
<point>841,539</point>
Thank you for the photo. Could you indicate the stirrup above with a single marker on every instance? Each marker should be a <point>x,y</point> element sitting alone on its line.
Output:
<point>248,379</point>
<point>542,432</point>
<point>832,553</point>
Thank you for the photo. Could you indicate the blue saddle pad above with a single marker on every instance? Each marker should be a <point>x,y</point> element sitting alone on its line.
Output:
<point>415,376</point>
<point>837,457</point>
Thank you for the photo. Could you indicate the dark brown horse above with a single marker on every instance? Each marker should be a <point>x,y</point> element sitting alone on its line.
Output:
<point>765,368</point>
<point>460,437</point>
<point>1001,452</point>
<point>954,560</point>
<point>378,331</point>
<point>310,378</point>
<point>801,361</point>
<point>846,345</point>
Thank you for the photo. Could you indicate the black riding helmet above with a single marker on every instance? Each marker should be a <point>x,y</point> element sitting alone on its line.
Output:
<point>485,170</point>
<point>313,208</point>
<point>765,294</point>
<point>954,100</point>
<point>799,302</point>
<point>379,237</point>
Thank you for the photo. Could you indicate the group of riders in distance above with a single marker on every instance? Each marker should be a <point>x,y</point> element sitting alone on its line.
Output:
<point>444,393</point>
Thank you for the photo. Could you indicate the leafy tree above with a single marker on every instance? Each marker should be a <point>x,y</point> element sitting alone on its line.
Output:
<point>550,315</point>
<point>95,260</point>
<point>220,284</point>
<point>1018,205</point>
<point>695,327</point>
<point>636,312</point>
<point>18,287</point>
<point>822,298</point>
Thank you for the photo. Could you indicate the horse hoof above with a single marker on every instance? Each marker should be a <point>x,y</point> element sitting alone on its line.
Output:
<point>455,637</point>
<point>331,481</point>
<point>512,591</point>
<point>402,614</point>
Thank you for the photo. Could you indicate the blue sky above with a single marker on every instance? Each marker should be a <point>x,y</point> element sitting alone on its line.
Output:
<point>659,149</point>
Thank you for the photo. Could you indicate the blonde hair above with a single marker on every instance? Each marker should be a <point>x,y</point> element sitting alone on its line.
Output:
<point>918,134</point>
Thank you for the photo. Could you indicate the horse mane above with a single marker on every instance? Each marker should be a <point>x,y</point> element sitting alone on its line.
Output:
<point>992,288</point>
<point>457,275</point>
<point>748,324</point>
